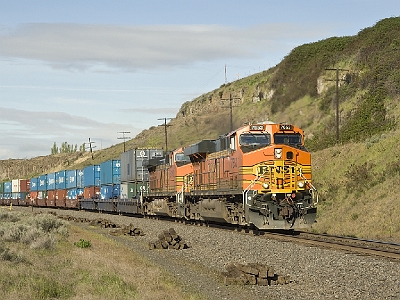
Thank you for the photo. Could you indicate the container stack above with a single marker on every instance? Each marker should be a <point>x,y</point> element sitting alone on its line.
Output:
<point>135,178</point>
<point>20,191</point>
<point>74,187</point>
<point>91,187</point>
<point>51,190</point>
<point>110,178</point>
<point>42,190</point>
<point>61,192</point>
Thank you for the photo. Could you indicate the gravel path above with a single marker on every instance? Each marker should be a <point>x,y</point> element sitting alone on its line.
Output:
<point>315,273</point>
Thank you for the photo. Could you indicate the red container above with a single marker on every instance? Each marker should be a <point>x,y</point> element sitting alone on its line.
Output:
<point>61,196</point>
<point>51,198</point>
<point>92,192</point>
<point>33,198</point>
<point>24,185</point>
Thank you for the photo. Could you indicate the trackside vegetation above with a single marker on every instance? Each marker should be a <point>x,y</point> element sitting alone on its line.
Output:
<point>40,258</point>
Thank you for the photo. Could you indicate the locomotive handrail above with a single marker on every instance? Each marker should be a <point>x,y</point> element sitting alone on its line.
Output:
<point>252,183</point>
<point>313,188</point>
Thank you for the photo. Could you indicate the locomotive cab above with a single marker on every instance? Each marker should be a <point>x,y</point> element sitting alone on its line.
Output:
<point>279,192</point>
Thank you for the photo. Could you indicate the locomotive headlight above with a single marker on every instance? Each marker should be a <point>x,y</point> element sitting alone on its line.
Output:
<point>278,153</point>
<point>265,185</point>
<point>300,184</point>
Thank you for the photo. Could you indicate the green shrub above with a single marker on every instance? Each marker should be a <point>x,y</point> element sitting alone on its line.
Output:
<point>83,244</point>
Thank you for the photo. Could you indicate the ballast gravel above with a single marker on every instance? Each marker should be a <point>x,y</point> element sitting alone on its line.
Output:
<point>315,273</point>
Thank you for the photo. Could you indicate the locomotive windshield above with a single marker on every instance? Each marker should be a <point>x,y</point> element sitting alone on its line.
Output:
<point>251,139</point>
<point>181,159</point>
<point>288,139</point>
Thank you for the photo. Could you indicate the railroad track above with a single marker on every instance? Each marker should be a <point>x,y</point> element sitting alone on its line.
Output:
<point>348,244</point>
<point>341,243</point>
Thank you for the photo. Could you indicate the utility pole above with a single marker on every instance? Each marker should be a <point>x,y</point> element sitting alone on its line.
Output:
<point>337,97</point>
<point>231,108</point>
<point>225,75</point>
<point>165,131</point>
<point>124,137</point>
<point>90,147</point>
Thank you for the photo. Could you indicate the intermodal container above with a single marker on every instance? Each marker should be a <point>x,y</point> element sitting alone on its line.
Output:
<point>131,190</point>
<point>34,184</point>
<point>91,176</point>
<point>20,185</point>
<point>42,182</point>
<point>134,163</point>
<point>18,195</point>
<point>109,191</point>
<point>8,187</point>
<point>73,194</point>
<point>110,172</point>
<point>74,179</point>
<point>15,185</point>
<point>33,194</point>
<point>61,196</point>
<point>33,197</point>
<point>51,181</point>
<point>91,192</point>
<point>60,180</point>
<point>51,195</point>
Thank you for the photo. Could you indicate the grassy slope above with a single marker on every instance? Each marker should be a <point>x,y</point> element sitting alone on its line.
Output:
<point>358,187</point>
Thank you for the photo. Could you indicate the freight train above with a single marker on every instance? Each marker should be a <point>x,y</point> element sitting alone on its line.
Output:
<point>258,175</point>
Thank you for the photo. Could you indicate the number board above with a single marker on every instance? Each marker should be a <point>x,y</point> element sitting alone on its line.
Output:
<point>285,127</point>
<point>256,127</point>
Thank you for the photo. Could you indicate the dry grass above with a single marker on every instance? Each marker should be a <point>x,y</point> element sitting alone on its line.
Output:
<point>106,270</point>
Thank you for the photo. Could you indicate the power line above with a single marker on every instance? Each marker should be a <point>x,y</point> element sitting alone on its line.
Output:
<point>231,107</point>
<point>337,97</point>
<point>165,131</point>
<point>124,137</point>
<point>90,147</point>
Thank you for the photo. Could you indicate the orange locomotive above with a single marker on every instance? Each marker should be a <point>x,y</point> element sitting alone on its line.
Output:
<point>257,175</point>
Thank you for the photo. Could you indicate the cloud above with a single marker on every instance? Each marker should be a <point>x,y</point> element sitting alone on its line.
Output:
<point>132,48</point>
<point>152,111</point>
<point>34,133</point>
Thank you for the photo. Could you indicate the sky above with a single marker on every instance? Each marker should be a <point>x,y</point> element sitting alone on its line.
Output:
<point>74,70</point>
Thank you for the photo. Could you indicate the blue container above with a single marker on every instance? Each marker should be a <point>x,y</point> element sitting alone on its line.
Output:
<point>116,190</point>
<point>34,184</point>
<point>73,194</point>
<point>79,179</point>
<point>70,179</point>
<point>18,195</point>
<point>61,180</point>
<point>51,181</point>
<point>106,192</point>
<point>7,187</point>
<point>110,172</point>
<point>91,176</point>
<point>73,179</point>
<point>42,183</point>
<point>109,191</point>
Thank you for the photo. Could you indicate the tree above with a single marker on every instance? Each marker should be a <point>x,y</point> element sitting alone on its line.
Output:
<point>54,150</point>
<point>66,148</point>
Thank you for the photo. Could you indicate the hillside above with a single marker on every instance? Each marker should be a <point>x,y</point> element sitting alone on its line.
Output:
<point>353,175</point>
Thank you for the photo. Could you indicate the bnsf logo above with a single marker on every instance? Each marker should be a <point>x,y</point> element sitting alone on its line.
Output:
<point>276,169</point>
